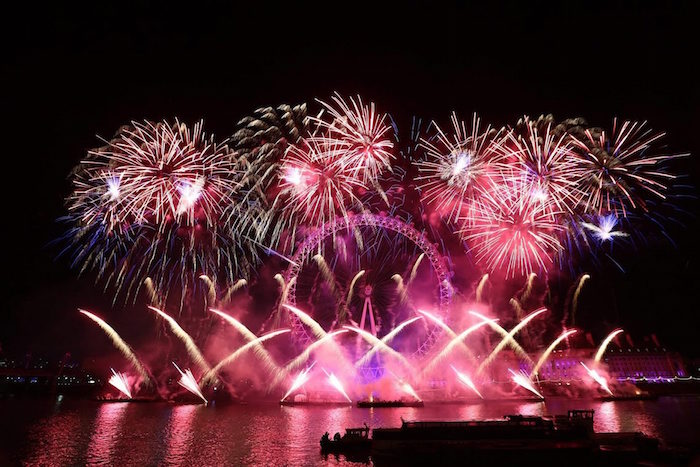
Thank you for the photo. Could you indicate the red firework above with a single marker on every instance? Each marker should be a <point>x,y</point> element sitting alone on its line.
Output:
<point>513,230</point>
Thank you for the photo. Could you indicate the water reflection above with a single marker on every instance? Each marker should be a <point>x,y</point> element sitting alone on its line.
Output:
<point>105,433</point>
<point>161,434</point>
<point>179,434</point>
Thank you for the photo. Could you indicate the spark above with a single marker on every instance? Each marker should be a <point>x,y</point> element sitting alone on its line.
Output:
<point>604,345</point>
<point>188,382</point>
<point>466,381</point>
<point>597,378</point>
<point>523,381</point>
<point>119,381</point>
<point>549,350</point>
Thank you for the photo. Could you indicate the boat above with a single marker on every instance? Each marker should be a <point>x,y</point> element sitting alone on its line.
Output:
<point>523,439</point>
<point>355,442</point>
<point>376,403</point>
<point>628,397</point>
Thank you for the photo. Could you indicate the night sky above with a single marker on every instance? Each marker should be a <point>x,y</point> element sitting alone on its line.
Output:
<point>73,72</point>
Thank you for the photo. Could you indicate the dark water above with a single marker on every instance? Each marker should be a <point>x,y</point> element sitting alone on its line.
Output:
<point>83,432</point>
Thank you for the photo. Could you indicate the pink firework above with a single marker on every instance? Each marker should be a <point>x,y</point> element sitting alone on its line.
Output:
<point>456,167</point>
<point>513,230</point>
<point>547,164</point>
<point>360,133</point>
<point>316,185</point>
<point>621,168</point>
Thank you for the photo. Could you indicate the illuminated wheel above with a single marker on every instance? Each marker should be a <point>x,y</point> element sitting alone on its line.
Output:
<point>373,272</point>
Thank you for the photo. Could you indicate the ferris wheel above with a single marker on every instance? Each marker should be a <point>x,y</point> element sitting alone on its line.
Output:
<point>371,271</point>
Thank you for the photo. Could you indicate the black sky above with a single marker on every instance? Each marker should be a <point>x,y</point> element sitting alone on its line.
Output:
<point>71,72</point>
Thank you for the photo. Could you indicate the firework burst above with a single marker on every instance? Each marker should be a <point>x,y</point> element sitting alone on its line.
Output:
<point>621,168</point>
<point>511,229</point>
<point>150,203</point>
<point>360,133</point>
<point>456,166</point>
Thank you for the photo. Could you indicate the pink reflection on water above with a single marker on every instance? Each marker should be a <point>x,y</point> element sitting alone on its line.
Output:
<point>179,434</point>
<point>106,432</point>
<point>607,417</point>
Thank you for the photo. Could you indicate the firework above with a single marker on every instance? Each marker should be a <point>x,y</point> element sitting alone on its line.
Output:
<point>119,381</point>
<point>546,353</point>
<point>523,381</point>
<point>604,345</point>
<point>299,381</point>
<point>621,168</point>
<point>151,203</point>
<point>360,134</point>
<point>547,164</point>
<point>464,379</point>
<point>119,343</point>
<point>456,167</point>
<point>188,382</point>
<point>511,229</point>
<point>316,184</point>
<point>385,340</point>
<point>597,378</point>
<point>335,382</point>
<point>602,230</point>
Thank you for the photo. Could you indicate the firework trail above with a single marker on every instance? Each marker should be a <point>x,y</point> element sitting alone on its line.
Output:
<point>208,377</point>
<point>528,288</point>
<point>407,388</point>
<point>457,340</point>
<point>119,381</point>
<point>523,381</point>
<point>385,341</point>
<point>450,332</point>
<point>480,287</point>
<point>574,302</point>
<point>211,289</point>
<point>259,349</point>
<point>327,273</point>
<point>604,345</point>
<point>192,349</point>
<point>549,350</point>
<point>344,308</point>
<point>382,346</point>
<point>505,340</point>
<point>597,378</point>
<point>316,328</point>
<point>299,381</point>
<point>304,356</point>
<point>119,343</point>
<point>188,382</point>
<point>235,287</point>
<point>464,379</point>
<point>493,324</point>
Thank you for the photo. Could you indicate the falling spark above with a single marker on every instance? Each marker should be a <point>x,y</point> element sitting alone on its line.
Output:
<point>188,382</point>
<point>523,381</point>
<point>597,378</point>
<point>236,286</point>
<point>466,381</point>
<point>382,346</point>
<point>604,345</point>
<point>211,289</point>
<point>549,350</point>
<point>119,343</point>
<point>192,349</point>
<point>119,381</point>
<point>528,289</point>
